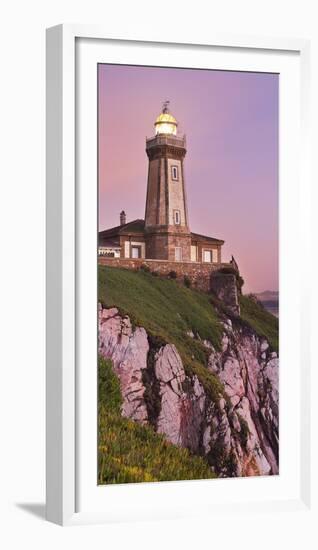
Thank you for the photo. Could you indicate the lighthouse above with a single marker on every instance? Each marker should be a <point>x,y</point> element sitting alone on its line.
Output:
<point>166,227</point>
<point>164,234</point>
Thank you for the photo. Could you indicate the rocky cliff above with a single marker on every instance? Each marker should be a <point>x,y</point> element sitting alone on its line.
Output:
<point>236,428</point>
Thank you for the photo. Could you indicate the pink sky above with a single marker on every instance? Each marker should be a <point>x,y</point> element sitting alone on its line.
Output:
<point>231,167</point>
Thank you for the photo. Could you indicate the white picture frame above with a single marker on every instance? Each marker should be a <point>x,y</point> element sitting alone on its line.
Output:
<point>71,497</point>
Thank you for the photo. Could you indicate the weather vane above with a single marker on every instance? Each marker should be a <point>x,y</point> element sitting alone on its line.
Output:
<point>165,106</point>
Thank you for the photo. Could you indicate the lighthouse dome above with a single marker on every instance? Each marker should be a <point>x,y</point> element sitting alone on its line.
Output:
<point>166,123</point>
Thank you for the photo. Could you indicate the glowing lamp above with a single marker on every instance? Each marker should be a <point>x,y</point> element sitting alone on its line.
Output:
<point>166,123</point>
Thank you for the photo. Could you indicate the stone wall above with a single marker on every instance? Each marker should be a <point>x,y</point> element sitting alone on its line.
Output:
<point>198,273</point>
<point>162,242</point>
<point>157,245</point>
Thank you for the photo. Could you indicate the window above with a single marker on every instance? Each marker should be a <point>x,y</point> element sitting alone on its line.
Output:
<point>135,251</point>
<point>177,217</point>
<point>207,256</point>
<point>174,173</point>
<point>193,253</point>
<point>178,253</point>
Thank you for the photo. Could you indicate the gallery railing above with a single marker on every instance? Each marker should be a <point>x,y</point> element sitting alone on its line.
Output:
<point>166,140</point>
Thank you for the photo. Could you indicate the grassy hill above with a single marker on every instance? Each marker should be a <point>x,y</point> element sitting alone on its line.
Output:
<point>130,453</point>
<point>170,311</point>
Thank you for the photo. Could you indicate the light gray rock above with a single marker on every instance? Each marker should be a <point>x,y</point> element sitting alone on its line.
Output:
<point>169,366</point>
<point>253,391</point>
<point>128,350</point>
<point>170,373</point>
<point>181,413</point>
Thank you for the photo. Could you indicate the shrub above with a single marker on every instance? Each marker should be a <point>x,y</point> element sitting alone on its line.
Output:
<point>155,273</point>
<point>244,433</point>
<point>187,281</point>
<point>109,394</point>
<point>220,460</point>
<point>172,275</point>
<point>145,268</point>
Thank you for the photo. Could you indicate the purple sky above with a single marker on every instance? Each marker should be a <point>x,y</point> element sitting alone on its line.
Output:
<point>231,167</point>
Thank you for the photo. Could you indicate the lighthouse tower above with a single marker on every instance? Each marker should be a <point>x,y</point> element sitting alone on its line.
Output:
<point>166,219</point>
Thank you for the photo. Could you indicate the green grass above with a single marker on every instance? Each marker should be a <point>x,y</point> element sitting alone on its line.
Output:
<point>129,452</point>
<point>167,310</point>
<point>109,394</point>
<point>264,323</point>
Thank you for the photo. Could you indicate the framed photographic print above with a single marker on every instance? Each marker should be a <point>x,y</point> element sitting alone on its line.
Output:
<point>177,212</point>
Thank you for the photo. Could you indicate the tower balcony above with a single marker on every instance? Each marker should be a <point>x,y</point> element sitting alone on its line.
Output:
<point>166,139</point>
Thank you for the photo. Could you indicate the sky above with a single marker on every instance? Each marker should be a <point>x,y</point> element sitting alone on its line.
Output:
<point>231,167</point>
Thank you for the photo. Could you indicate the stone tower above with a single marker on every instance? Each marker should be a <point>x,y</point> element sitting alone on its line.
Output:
<point>166,219</point>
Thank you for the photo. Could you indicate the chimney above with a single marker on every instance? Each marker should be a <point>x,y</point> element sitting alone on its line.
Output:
<point>122,217</point>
